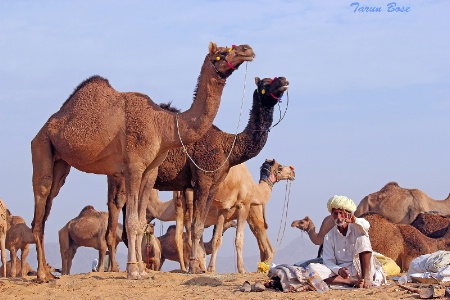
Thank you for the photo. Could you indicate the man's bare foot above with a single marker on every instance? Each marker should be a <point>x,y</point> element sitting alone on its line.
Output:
<point>362,284</point>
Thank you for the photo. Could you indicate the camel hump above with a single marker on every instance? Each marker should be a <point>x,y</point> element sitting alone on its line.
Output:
<point>88,210</point>
<point>96,79</point>
<point>390,185</point>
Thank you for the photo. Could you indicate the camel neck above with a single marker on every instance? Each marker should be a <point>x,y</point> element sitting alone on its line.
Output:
<point>253,138</point>
<point>206,104</point>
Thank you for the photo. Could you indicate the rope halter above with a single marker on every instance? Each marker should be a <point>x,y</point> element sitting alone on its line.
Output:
<point>223,56</point>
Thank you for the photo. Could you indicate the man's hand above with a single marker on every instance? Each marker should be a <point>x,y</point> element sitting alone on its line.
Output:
<point>343,272</point>
<point>350,218</point>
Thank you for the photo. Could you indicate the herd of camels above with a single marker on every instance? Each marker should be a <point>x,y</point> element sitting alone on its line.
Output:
<point>144,148</point>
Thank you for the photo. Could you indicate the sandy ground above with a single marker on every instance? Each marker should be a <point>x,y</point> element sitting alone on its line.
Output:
<point>167,285</point>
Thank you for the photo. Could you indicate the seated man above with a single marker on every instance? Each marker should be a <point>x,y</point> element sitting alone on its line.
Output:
<point>347,252</point>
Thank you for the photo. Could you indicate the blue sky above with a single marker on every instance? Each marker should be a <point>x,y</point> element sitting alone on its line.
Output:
<point>369,95</point>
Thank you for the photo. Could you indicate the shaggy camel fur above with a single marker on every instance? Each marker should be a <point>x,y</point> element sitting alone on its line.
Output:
<point>400,205</point>
<point>401,242</point>
<point>3,230</point>
<point>431,224</point>
<point>18,237</point>
<point>151,247</point>
<point>168,249</point>
<point>239,191</point>
<point>215,151</point>
<point>125,136</point>
<point>88,229</point>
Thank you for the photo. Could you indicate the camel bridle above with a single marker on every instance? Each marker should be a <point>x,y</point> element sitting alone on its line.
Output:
<point>268,169</point>
<point>223,56</point>
<point>262,89</point>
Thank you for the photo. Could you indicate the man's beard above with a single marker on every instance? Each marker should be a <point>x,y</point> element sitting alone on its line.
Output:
<point>340,222</point>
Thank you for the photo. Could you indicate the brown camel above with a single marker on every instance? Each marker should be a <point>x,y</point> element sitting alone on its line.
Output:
<point>431,224</point>
<point>18,237</point>
<point>125,135</point>
<point>167,245</point>
<point>151,246</point>
<point>88,229</point>
<point>401,242</point>
<point>3,230</point>
<point>236,194</point>
<point>307,225</point>
<point>400,205</point>
<point>211,158</point>
<point>28,270</point>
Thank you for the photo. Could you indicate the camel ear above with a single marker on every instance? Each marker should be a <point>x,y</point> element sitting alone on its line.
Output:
<point>257,80</point>
<point>307,218</point>
<point>212,48</point>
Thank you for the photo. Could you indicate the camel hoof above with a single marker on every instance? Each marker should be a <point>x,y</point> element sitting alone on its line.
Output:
<point>144,275</point>
<point>133,276</point>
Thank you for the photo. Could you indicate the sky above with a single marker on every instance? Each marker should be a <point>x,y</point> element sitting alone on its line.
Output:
<point>368,99</point>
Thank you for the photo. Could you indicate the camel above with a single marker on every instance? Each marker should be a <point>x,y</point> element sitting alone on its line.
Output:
<point>167,245</point>
<point>401,242</point>
<point>238,191</point>
<point>431,224</point>
<point>151,246</point>
<point>202,165</point>
<point>88,229</point>
<point>125,135</point>
<point>18,237</point>
<point>400,205</point>
<point>307,225</point>
<point>27,268</point>
<point>3,230</point>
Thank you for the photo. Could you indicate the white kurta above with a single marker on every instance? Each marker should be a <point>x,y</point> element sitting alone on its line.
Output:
<point>343,251</point>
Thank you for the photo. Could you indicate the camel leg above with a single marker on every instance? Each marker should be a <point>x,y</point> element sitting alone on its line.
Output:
<point>64,245</point>
<point>132,185</point>
<point>3,250</point>
<point>70,255</point>
<point>217,240</point>
<point>198,221</point>
<point>189,212</point>
<point>242,217</point>
<point>135,215</point>
<point>179,212</point>
<point>101,259</point>
<point>13,255</point>
<point>116,200</point>
<point>23,258</point>
<point>48,177</point>
<point>257,225</point>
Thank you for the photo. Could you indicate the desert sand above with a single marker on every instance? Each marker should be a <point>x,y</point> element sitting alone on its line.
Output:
<point>168,285</point>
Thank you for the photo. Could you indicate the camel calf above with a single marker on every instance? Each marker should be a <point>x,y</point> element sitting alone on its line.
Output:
<point>88,229</point>
<point>18,237</point>
<point>152,248</point>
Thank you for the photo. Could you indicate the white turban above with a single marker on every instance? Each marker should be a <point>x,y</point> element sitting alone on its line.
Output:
<point>341,202</point>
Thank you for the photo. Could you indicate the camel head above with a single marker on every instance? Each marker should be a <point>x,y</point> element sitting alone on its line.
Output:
<point>271,90</point>
<point>272,172</point>
<point>150,229</point>
<point>225,60</point>
<point>304,224</point>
